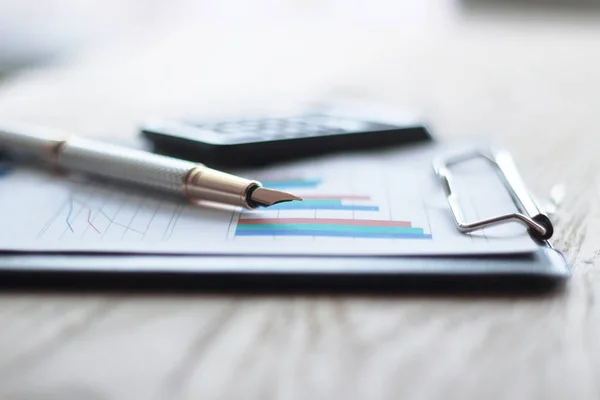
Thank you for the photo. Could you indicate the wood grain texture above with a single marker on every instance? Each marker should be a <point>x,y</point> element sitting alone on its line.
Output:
<point>529,82</point>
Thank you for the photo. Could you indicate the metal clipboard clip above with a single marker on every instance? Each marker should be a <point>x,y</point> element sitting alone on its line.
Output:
<point>528,213</point>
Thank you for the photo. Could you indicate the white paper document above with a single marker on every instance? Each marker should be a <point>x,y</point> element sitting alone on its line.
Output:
<point>386,203</point>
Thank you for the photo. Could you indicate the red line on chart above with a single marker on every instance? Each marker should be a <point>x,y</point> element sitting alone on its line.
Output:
<point>89,221</point>
<point>329,221</point>
<point>70,213</point>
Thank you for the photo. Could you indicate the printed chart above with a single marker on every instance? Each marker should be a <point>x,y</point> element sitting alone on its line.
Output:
<point>275,223</point>
<point>375,206</point>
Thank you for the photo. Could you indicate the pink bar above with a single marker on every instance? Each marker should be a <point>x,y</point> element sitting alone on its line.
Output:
<point>331,221</point>
<point>336,197</point>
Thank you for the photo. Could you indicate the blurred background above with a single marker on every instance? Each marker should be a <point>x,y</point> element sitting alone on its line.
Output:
<point>472,66</point>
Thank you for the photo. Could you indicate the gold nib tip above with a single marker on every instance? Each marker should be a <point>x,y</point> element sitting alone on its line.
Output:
<point>267,197</point>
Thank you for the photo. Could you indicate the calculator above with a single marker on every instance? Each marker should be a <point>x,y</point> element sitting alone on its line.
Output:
<point>253,141</point>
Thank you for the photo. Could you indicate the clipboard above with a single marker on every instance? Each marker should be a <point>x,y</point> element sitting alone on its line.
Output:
<point>544,268</point>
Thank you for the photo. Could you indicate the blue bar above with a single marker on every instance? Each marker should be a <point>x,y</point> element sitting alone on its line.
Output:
<point>310,183</point>
<point>329,227</point>
<point>308,232</point>
<point>299,205</point>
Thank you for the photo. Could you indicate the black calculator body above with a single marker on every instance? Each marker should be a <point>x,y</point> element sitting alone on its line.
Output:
<point>262,140</point>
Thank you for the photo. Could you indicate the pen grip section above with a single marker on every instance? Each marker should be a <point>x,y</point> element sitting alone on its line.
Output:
<point>130,165</point>
<point>208,184</point>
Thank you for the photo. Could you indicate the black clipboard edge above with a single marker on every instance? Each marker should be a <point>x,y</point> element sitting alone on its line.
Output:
<point>543,270</point>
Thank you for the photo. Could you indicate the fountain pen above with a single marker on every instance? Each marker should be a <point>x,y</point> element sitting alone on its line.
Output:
<point>191,180</point>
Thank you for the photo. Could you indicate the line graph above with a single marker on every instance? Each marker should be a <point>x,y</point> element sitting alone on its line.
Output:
<point>112,221</point>
<point>96,211</point>
<point>91,216</point>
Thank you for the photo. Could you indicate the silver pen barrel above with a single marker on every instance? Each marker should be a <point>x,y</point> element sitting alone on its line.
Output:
<point>194,181</point>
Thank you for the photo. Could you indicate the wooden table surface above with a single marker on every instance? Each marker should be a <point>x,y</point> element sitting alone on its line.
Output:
<point>530,80</point>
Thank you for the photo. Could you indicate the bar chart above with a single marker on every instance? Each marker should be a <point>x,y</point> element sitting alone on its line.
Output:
<point>330,226</point>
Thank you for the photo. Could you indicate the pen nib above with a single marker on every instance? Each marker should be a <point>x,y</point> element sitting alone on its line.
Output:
<point>267,197</point>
